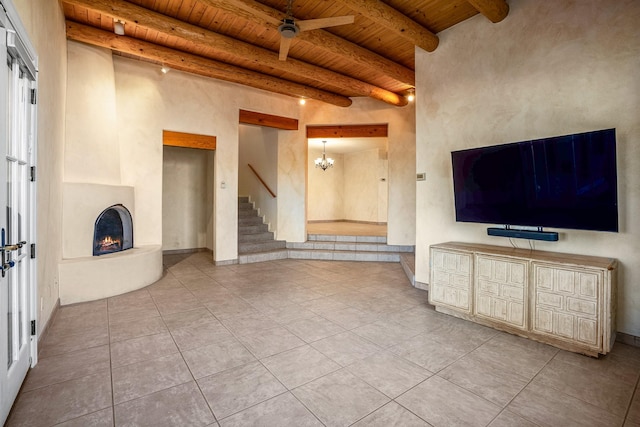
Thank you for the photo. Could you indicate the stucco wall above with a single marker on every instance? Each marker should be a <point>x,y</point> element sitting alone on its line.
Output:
<point>351,189</point>
<point>92,150</point>
<point>550,68</point>
<point>326,188</point>
<point>44,22</point>
<point>361,185</point>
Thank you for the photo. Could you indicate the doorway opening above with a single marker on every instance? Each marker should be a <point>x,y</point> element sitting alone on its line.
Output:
<point>187,193</point>
<point>351,197</point>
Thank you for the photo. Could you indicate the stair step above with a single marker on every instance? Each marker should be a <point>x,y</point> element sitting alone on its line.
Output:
<point>408,263</point>
<point>252,229</point>
<point>255,237</point>
<point>250,220</point>
<point>243,199</point>
<point>252,247</point>
<point>263,256</point>
<point>245,205</point>
<point>350,246</point>
<point>333,255</point>
<point>341,238</point>
<point>247,213</point>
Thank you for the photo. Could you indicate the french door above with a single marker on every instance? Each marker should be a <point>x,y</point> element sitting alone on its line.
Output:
<point>17,154</point>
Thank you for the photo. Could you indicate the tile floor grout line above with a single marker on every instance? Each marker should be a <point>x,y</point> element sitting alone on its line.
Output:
<point>395,399</point>
<point>527,385</point>
<point>636,391</point>
<point>578,398</point>
<point>113,403</point>
<point>286,389</point>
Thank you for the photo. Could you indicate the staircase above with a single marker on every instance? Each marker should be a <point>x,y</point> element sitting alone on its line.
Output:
<point>256,244</point>
<point>255,241</point>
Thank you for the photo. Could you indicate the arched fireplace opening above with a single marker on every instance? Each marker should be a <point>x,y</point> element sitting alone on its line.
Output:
<point>113,231</point>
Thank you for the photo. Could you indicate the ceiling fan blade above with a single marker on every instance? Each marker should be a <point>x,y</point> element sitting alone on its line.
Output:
<point>314,24</point>
<point>285,43</point>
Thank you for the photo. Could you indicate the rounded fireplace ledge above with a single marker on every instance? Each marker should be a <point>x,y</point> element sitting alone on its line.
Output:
<point>96,277</point>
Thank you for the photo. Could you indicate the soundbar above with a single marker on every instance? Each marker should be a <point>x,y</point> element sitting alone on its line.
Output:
<point>548,236</point>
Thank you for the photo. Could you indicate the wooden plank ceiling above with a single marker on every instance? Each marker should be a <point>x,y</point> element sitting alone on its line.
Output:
<point>239,41</point>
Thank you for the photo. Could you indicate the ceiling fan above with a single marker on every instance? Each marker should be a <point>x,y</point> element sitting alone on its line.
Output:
<point>289,27</point>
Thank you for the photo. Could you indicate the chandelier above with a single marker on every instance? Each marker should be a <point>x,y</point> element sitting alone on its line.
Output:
<point>324,162</point>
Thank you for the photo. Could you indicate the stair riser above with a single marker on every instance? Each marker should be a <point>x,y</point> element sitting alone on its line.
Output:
<point>258,237</point>
<point>253,220</point>
<point>247,213</point>
<point>244,248</point>
<point>354,247</point>
<point>264,256</point>
<point>251,229</point>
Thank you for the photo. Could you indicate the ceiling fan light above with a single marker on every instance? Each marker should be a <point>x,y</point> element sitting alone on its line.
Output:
<point>288,29</point>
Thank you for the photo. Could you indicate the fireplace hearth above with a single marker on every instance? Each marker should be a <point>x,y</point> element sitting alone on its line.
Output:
<point>113,231</point>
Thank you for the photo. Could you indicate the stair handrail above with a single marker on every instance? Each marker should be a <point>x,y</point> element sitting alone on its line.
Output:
<point>262,181</point>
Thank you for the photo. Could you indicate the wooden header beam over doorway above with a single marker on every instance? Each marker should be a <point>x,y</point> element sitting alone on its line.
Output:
<point>268,120</point>
<point>188,140</point>
<point>348,131</point>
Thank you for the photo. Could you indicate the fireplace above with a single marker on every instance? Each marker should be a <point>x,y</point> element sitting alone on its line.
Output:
<point>113,231</point>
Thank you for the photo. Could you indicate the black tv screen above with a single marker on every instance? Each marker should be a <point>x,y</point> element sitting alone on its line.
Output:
<point>561,182</point>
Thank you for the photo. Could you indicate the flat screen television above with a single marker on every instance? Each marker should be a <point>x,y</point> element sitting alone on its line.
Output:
<point>565,181</point>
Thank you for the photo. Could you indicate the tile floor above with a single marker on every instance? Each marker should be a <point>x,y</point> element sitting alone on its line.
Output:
<point>307,343</point>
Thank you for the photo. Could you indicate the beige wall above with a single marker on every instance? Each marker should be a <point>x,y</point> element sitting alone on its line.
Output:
<point>258,146</point>
<point>92,151</point>
<point>363,170</point>
<point>326,188</point>
<point>186,198</point>
<point>44,22</point>
<point>550,68</point>
<point>350,190</point>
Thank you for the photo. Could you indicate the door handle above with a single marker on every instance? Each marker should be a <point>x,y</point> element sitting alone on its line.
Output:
<point>7,263</point>
<point>13,247</point>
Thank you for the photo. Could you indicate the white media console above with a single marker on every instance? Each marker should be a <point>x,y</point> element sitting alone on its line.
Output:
<point>565,300</point>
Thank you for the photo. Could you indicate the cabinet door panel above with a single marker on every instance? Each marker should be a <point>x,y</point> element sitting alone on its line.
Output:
<point>501,290</point>
<point>566,303</point>
<point>450,279</point>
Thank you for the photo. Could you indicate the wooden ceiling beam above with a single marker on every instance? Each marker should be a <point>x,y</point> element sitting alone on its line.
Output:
<point>347,131</point>
<point>267,17</point>
<point>198,65</point>
<point>494,10</point>
<point>261,119</point>
<point>147,19</point>
<point>188,140</point>
<point>388,17</point>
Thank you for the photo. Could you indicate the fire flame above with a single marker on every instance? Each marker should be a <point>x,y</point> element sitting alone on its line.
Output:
<point>109,242</point>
